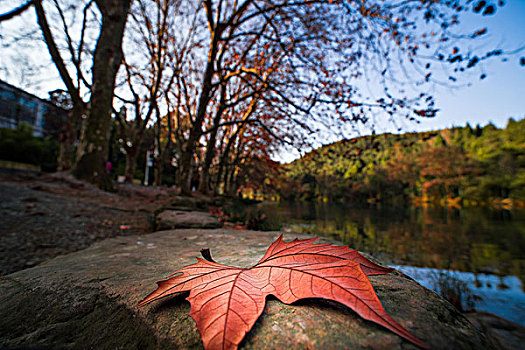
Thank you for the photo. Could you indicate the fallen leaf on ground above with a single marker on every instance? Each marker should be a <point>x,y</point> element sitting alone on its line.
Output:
<point>236,226</point>
<point>226,301</point>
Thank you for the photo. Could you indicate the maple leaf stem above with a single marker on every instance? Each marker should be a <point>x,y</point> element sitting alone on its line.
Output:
<point>206,254</point>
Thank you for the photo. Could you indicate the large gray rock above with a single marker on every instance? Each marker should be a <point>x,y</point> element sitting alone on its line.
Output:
<point>173,219</point>
<point>88,300</point>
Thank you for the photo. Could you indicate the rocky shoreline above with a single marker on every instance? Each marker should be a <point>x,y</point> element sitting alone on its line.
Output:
<point>88,298</point>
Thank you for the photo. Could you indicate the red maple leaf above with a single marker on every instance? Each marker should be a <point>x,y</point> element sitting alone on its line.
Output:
<point>226,301</point>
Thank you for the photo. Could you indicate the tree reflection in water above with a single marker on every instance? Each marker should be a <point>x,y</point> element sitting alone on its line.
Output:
<point>478,240</point>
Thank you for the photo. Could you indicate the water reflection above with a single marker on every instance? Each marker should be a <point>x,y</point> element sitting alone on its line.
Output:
<point>499,295</point>
<point>477,240</point>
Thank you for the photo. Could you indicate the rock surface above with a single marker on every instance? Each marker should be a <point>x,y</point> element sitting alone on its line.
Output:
<point>88,299</point>
<point>43,216</point>
<point>503,334</point>
<point>173,219</point>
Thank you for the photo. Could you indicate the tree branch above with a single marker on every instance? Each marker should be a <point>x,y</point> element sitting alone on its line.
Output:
<point>55,53</point>
<point>15,12</point>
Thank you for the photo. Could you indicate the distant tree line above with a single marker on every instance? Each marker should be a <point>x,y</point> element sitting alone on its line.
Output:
<point>456,166</point>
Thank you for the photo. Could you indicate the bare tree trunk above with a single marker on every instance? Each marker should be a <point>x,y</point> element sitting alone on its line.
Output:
<point>66,151</point>
<point>223,167</point>
<point>231,178</point>
<point>195,134</point>
<point>161,153</point>
<point>93,146</point>
<point>68,134</point>
<point>204,98</point>
<point>204,184</point>
<point>228,179</point>
<point>131,160</point>
<point>159,164</point>
<point>67,137</point>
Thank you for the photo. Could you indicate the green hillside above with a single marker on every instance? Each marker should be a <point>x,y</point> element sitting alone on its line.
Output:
<point>457,166</point>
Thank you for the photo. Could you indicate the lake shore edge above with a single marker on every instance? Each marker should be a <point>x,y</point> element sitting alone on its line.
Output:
<point>70,197</point>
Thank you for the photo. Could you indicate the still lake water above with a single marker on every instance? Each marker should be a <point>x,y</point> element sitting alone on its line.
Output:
<point>481,247</point>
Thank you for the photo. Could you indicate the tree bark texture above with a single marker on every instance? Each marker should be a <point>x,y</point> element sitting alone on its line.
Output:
<point>131,160</point>
<point>67,137</point>
<point>93,146</point>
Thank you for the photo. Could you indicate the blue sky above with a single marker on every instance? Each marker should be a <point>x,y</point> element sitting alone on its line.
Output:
<point>495,99</point>
<point>499,96</point>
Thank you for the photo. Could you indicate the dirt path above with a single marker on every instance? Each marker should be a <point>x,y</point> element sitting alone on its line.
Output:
<point>42,216</point>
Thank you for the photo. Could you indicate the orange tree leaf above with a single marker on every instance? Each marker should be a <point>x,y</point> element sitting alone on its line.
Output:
<point>226,301</point>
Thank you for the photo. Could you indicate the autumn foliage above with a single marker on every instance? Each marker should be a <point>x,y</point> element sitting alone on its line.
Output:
<point>226,301</point>
<point>461,165</point>
<point>221,83</point>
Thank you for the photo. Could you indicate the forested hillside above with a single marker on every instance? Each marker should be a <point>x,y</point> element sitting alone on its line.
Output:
<point>457,166</point>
